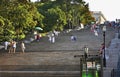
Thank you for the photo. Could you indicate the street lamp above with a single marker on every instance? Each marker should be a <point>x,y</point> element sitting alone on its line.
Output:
<point>85,51</point>
<point>86,56</point>
<point>104,58</point>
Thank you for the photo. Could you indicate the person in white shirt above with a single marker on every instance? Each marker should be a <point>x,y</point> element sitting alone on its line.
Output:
<point>6,45</point>
<point>22,46</point>
<point>14,46</point>
<point>53,38</point>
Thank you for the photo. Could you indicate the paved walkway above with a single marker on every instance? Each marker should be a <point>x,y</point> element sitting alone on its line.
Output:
<point>112,55</point>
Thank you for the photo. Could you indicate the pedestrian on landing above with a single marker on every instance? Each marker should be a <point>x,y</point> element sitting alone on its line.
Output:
<point>6,45</point>
<point>86,51</point>
<point>49,38</point>
<point>38,37</point>
<point>73,38</point>
<point>10,46</point>
<point>53,38</point>
<point>102,49</point>
<point>95,32</point>
<point>14,46</point>
<point>22,46</point>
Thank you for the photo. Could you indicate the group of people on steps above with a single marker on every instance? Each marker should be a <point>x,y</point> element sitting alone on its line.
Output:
<point>11,46</point>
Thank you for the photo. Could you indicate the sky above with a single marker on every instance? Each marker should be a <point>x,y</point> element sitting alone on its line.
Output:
<point>109,8</point>
<point>33,0</point>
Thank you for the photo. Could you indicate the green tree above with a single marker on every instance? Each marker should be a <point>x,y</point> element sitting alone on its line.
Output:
<point>54,17</point>
<point>27,18</point>
<point>6,29</point>
<point>24,17</point>
<point>76,11</point>
<point>57,18</point>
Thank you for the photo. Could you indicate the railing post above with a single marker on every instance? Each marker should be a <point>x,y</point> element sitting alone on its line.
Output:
<point>80,67</point>
<point>112,73</point>
<point>101,58</point>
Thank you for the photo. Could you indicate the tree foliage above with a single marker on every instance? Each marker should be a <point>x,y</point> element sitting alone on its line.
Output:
<point>22,16</point>
<point>6,29</point>
<point>18,17</point>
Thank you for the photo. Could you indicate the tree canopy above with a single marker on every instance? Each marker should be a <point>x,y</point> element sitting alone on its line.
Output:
<point>19,17</point>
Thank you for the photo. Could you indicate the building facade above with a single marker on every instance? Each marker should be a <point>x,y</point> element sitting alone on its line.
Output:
<point>99,17</point>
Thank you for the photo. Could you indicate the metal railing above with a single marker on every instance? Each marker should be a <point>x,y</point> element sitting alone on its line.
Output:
<point>115,73</point>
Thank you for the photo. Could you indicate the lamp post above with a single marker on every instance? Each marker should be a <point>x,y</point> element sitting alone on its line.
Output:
<point>104,57</point>
<point>86,56</point>
<point>85,51</point>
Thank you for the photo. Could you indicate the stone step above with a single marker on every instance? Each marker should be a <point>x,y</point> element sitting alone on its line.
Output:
<point>113,50</point>
<point>112,65</point>
<point>107,72</point>
<point>39,67</point>
<point>39,74</point>
<point>116,73</point>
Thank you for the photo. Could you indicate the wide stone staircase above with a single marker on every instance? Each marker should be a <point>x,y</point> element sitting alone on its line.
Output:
<point>50,70</point>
